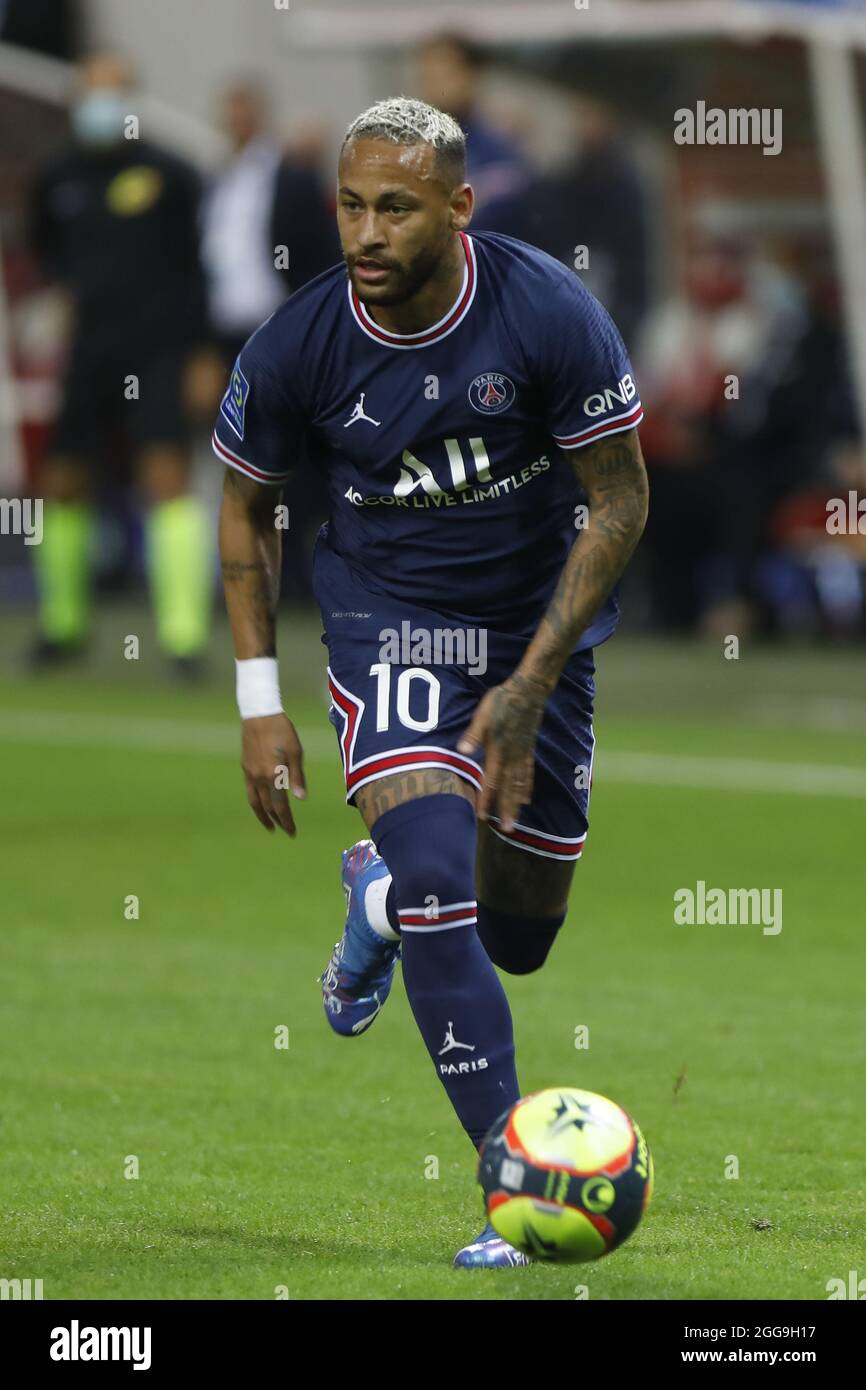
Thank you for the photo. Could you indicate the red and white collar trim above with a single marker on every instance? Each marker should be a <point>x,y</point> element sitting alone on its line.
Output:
<point>455,316</point>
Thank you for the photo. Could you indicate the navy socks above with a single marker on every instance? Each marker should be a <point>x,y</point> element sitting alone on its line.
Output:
<point>517,945</point>
<point>453,990</point>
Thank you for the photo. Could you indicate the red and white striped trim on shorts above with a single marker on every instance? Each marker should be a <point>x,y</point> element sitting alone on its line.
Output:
<point>359,774</point>
<point>566,847</point>
<point>391,760</point>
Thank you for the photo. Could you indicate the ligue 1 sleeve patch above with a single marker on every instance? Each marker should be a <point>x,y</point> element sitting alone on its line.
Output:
<point>234,402</point>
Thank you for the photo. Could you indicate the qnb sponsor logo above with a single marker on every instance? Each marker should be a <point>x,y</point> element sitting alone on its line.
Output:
<point>22,516</point>
<point>77,1343</point>
<point>438,646</point>
<point>846,518</point>
<point>738,125</point>
<point>621,394</point>
<point>729,907</point>
<point>20,1289</point>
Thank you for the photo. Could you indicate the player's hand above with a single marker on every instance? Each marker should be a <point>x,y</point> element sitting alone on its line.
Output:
<point>505,725</point>
<point>272,755</point>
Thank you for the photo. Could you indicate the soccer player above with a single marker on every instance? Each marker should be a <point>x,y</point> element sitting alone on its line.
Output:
<point>469,402</point>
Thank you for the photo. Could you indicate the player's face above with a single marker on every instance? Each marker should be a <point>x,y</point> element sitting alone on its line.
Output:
<point>105,72</point>
<point>396,218</point>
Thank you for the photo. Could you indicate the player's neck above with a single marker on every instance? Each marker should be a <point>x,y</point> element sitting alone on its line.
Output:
<point>432,302</point>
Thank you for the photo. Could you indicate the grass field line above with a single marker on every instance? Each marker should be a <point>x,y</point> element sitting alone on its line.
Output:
<point>144,733</point>
<point>821,712</point>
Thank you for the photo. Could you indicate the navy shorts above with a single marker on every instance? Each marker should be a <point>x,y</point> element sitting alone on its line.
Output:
<point>405,682</point>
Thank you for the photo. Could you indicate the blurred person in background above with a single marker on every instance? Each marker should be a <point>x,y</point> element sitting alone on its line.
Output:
<point>450,73</point>
<point>262,200</point>
<point>115,222</point>
<point>795,418</point>
<point>46,26</point>
<point>596,200</point>
<point>264,207</point>
<point>813,578</point>
<point>738,370</point>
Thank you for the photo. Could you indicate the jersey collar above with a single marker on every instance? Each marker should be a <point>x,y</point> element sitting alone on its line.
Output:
<point>455,316</point>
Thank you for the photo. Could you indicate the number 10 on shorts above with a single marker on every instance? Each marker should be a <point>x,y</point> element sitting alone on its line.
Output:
<point>383,671</point>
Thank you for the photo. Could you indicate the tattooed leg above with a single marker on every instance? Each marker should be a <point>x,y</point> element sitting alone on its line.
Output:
<point>510,880</point>
<point>378,797</point>
<point>522,902</point>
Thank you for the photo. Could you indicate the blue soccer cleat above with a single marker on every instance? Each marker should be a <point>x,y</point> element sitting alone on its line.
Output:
<point>359,975</point>
<point>489,1251</point>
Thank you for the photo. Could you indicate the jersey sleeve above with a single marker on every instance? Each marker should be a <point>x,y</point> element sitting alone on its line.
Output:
<point>588,379</point>
<point>261,420</point>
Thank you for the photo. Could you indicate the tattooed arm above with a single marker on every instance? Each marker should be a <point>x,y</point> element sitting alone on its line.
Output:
<point>614,476</point>
<point>250,558</point>
<point>249,544</point>
<point>507,719</point>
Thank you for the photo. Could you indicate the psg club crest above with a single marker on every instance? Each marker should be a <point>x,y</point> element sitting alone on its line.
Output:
<point>491,393</point>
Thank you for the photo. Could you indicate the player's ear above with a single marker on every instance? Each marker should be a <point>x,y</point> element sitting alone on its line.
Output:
<point>462,206</point>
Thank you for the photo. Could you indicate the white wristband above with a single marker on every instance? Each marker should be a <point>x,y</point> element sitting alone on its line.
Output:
<point>258,687</point>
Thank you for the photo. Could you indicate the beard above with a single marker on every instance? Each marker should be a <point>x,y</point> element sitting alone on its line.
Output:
<point>404,280</point>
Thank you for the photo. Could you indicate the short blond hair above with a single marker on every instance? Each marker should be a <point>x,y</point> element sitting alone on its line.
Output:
<point>406,121</point>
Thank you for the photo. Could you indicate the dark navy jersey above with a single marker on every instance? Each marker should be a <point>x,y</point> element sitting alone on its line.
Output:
<point>442,449</point>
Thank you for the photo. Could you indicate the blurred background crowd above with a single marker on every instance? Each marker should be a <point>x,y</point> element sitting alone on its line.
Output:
<point>157,255</point>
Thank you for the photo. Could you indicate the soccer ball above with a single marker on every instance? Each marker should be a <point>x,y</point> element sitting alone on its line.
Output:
<point>566,1175</point>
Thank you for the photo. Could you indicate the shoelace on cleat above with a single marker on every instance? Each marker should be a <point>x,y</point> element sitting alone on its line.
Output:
<point>330,977</point>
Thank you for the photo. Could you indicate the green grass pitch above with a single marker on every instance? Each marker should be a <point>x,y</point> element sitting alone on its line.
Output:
<point>304,1169</point>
